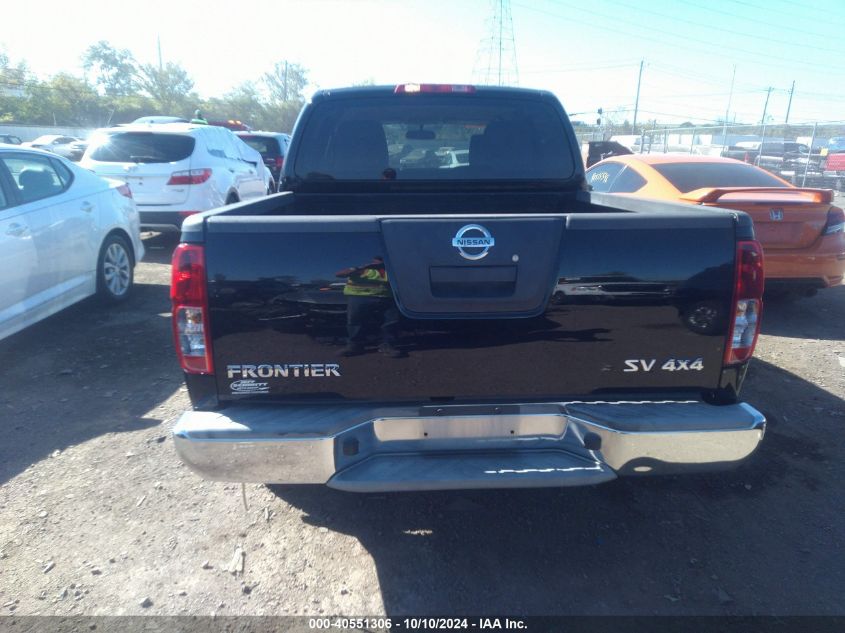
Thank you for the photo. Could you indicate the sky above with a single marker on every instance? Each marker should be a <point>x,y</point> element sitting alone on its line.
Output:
<point>588,54</point>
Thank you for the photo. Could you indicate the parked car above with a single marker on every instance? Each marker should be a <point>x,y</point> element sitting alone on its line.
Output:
<point>833,170</point>
<point>10,139</point>
<point>836,145</point>
<point>77,150</point>
<point>177,169</point>
<point>65,234</point>
<point>800,230</point>
<point>158,119</point>
<point>454,158</point>
<point>771,155</point>
<point>599,150</point>
<point>54,143</point>
<point>273,147</point>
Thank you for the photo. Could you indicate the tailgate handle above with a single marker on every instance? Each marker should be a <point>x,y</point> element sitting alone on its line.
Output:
<point>472,281</point>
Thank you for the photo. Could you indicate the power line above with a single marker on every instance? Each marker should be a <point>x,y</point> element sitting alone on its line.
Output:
<point>717,113</point>
<point>577,68</point>
<point>791,15</point>
<point>744,35</point>
<point>690,95</point>
<point>703,79</point>
<point>754,19</point>
<point>711,50</point>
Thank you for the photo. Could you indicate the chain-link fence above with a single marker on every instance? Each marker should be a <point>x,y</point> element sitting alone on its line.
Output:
<point>811,155</point>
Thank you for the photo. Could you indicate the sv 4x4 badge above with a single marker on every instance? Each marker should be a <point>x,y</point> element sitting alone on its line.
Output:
<point>673,364</point>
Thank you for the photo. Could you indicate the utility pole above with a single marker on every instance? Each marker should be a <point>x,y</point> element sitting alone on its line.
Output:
<point>637,100</point>
<point>763,131</point>
<point>807,164</point>
<point>789,105</point>
<point>728,110</point>
<point>766,106</point>
<point>286,81</point>
<point>160,64</point>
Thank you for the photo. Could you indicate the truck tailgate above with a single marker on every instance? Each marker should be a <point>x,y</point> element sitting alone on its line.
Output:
<point>559,306</point>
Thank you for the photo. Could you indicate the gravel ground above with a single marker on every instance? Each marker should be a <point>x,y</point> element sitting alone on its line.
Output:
<point>99,517</point>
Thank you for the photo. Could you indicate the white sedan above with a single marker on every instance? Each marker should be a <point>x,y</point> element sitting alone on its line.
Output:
<point>65,234</point>
<point>55,143</point>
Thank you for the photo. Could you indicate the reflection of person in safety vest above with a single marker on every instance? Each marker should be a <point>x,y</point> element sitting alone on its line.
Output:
<point>369,301</point>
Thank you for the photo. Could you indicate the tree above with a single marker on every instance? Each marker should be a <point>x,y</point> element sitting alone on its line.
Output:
<point>286,82</point>
<point>13,77</point>
<point>282,116</point>
<point>62,100</point>
<point>115,69</point>
<point>244,103</point>
<point>169,87</point>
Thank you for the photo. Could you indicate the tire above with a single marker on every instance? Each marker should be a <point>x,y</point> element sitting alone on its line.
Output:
<point>115,274</point>
<point>232,199</point>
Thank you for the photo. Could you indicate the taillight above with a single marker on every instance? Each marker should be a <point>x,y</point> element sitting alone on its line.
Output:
<point>746,158</point>
<point>124,190</point>
<point>747,303</point>
<point>189,177</point>
<point>190,309</point>
<point>280,162</point>
<point>411,88</point>
<point>835,221</point>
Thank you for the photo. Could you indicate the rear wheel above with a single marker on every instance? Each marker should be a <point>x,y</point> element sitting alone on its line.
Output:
<point>114,270</point>
<point>232,199</point>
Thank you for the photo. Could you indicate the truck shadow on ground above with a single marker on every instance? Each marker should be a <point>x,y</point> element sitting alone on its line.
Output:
<point>693,544</point>
<point>86,371</point>
<point>818,317</point>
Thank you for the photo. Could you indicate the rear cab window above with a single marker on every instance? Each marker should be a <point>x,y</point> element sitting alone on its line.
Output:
<point>411,138</point>
<point>686,177</point>
<point>141,147</point>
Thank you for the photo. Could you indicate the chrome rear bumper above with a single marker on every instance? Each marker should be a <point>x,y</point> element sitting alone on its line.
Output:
<point>412,448</point>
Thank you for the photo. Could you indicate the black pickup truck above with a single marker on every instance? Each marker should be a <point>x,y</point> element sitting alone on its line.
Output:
<point>388,324</point>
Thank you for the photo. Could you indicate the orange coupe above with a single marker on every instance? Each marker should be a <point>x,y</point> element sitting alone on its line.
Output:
<point>800,230</point>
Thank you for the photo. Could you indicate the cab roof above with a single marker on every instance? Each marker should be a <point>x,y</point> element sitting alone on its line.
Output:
<point>390,90</point>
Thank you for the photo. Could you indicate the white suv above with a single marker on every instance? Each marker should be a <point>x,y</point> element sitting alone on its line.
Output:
<point>177,169</point>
